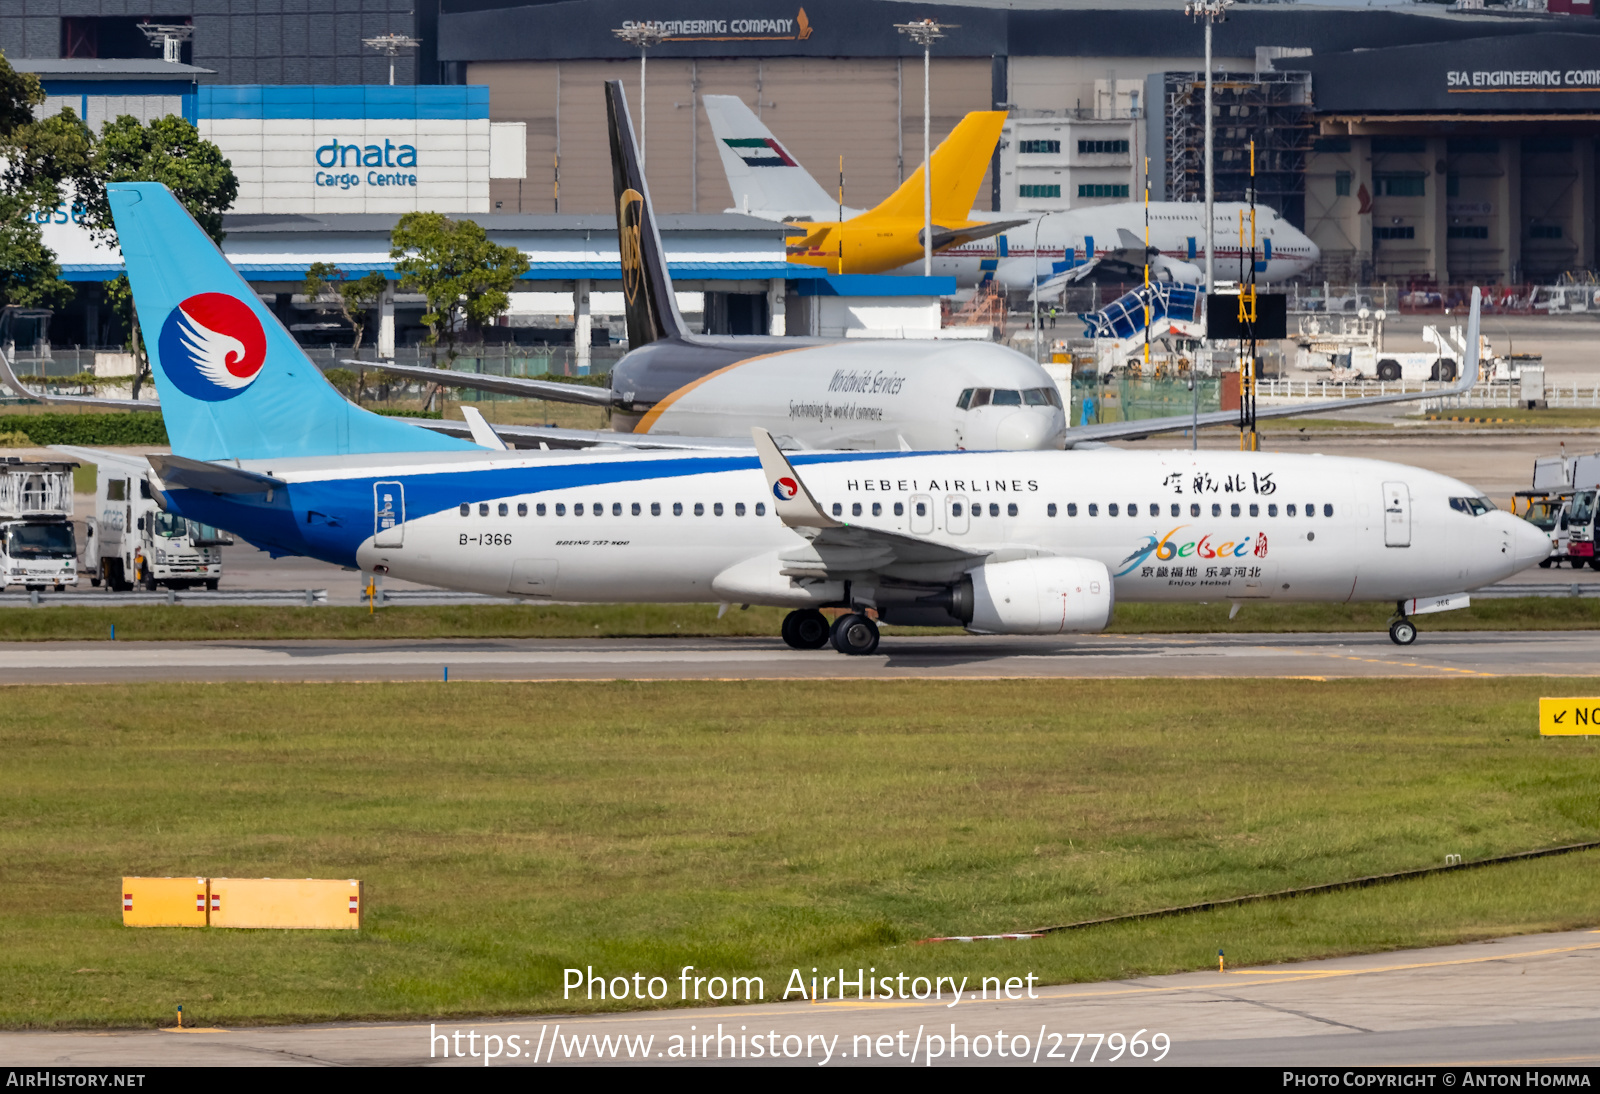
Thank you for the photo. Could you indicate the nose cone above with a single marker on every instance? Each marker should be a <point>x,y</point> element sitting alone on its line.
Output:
<point>1031,429</point>
<point>1528,543</point>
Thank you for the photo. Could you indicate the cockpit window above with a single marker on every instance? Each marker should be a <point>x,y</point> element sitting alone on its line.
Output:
<point>966,397</point>
<point>1008,398</point>
<point>1473,507</point>
<point>980,397</point>
<point>1036,396</point>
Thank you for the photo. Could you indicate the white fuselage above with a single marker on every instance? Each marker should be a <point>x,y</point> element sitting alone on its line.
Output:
<point>1054,242</point>
<point>1169,526</point>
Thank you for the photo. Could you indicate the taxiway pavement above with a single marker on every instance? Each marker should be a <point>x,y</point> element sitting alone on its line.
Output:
<point>904,656</point>
<point>1530,1001</point>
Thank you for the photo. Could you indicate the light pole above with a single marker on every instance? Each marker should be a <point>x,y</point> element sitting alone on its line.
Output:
<point>1213,12</point>
<point>392,45</point>
<point>643,35</point>
<point>925,32</point>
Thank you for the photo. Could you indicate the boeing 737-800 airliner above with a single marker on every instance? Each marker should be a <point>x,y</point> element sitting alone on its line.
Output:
<point>998,542</point>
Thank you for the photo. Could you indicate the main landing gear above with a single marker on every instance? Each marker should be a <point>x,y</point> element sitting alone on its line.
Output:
<point>808,629</point>
<point>1402,632</point>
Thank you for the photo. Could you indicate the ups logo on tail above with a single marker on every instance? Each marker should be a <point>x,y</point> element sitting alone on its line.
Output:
<point>630,216</point>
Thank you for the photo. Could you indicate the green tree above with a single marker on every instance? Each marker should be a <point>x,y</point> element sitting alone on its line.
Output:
<point>356,298</point>
<point>38,158</point>
<point>465,278</point>
<point>168,150</point>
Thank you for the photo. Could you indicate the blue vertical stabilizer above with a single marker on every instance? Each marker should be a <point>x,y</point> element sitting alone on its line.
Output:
<point>233,382</point>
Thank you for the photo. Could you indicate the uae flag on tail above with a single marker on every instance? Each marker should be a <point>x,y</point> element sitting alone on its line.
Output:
<point>759,151</point>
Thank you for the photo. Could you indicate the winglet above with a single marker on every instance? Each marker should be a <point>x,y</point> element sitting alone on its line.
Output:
<point>1470,366</point>
<point>792,502</point>
<point>482,433</point>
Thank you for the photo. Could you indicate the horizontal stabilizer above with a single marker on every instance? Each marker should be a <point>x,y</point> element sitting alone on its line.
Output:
<point>955,237</point>
<point>213,478</point>
<point>11,380</point>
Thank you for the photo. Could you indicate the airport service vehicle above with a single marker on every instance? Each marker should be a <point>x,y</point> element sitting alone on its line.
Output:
<point>1563,504</point>
<point>131,540</point>
<point>1047,251</point>
<point>37,547</point>
<point>998,542</point>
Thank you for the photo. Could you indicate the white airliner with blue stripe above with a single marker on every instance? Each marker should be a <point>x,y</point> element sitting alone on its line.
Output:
<point>1040,542</point>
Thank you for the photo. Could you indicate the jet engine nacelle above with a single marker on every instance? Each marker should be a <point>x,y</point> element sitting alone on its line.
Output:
<point>1040,596</point>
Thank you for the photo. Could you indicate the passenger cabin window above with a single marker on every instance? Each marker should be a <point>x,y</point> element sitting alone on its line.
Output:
<point>699,509</point>
<point>1111,510</point>
<point>561,509</point>
<point>955,509</point>
<point>899,508</point>
<point>655,509</point>
<point>1194,509</point>
<point>616,509</point>
<point>1272,510</point>
<point>761,508</point>
<point>577,510</point>
<point>994,509</point>
<point>1288,510</point>
<point>635,508</point>
<point>877,509</point>
<point>1311,510</point>
<point>504,510</point>
<point>1255,510</point>
<point>1233,510</point>
<point>1175,509</point>
<point>738,508</point>
<point>1094,509</point>
<point>1011,509</point>
<point>1327,510</point>
<point>539,509</point>
<point>677,508</point>
<point>716,509</point>
<point>838,510</point>
<point>1216,510</point>
<point>466,510</point>
<point>522,508</point>
<point>855,509</point>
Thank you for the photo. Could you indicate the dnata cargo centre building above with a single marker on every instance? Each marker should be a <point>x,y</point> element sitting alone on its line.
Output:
<point>1415,143</point>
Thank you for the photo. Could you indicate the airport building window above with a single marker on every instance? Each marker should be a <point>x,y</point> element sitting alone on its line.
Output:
<point>677,508</point>
<point>1102,148</point>
<point>635,508</point>
<point>1050,510</point>
<point>1399,144</point>
<point>1094,510</point>
<point>655,509</point>
<point>504,510</point>
<point>1272,510</point>
<point>577,510</point>
<point>483,508</point>
<point>716,509</point>
<point>1043,190</point>
<point>699,509</point>
<point>1400,184</point>
<point>855,509</point>
<point>877,509</point>
<point>561,509</point>
<point>838,510</point>
<point>466,510</point>
<point>1546,144</point>
<point>899,508</point>
<point>1341,184</point>
<point>522,508</point>
<point>1111,510</point>
<point>1233,510</point>
<point>1468,231</point>
<point>738,508</point>
<point>1194,510</point>
<point>1404,231</point>
<point>1216,510</point>
<point>1327,510</point>
<point>761,508</point>
<point>1544,231</point>
<point>1044,148</point>
<point>1102,190</point>
<point>1011,509</point>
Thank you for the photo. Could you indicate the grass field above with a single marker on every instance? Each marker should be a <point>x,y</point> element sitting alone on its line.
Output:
<point>158,622</point>
<point>506,832</point>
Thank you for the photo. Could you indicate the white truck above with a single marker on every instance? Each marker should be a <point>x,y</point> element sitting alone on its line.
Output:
<point>38,549</point>
<point>131,541</point>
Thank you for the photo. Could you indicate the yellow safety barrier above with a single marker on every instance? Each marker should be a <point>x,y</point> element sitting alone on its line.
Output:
<point>1573,716</point>
<point>164,901</point>
<point>308,903</point>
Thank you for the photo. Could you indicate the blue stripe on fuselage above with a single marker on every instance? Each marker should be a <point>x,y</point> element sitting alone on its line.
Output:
<point>329,519</point>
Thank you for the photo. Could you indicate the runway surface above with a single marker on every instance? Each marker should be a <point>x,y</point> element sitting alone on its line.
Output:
<point>1527,1001</point>
<point>1461,654</point>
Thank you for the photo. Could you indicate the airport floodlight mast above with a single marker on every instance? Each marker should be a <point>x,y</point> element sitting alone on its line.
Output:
<point>643,35</point>
<point>925,32</point>
<point>170,37</point>
<point>392,45</point>
<point>1213,12</point>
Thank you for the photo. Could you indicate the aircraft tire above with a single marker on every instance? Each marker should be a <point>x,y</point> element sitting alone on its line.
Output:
<point>855,634</point>
<point>804,629</point>
<point>1402,632</point>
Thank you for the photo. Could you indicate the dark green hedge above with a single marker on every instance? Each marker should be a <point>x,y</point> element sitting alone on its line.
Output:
<point>133,428</point>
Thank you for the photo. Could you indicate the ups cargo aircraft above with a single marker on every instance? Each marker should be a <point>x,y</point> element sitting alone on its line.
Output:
<point>1039,542</point>
<point>1099,242</point>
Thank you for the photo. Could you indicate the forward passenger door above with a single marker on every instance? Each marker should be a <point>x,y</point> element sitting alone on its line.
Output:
<point>1396,515</point>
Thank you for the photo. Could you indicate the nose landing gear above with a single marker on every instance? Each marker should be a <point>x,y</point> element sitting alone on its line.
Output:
<point>1402,632</point>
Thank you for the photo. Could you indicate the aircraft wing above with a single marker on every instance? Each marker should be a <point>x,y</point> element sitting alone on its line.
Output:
<point>1129,431</point>
<point>9,378</point>
<point>838,548</point>
<point>954,237</point>
<point>552,390</point>
<point>555,437</point>
<point>136,465</point>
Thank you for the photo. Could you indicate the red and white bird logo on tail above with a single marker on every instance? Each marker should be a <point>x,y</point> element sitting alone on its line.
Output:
<point>212,346</point>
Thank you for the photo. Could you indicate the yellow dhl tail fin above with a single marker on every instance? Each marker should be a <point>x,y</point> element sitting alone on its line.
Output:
<point>959,164</point>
